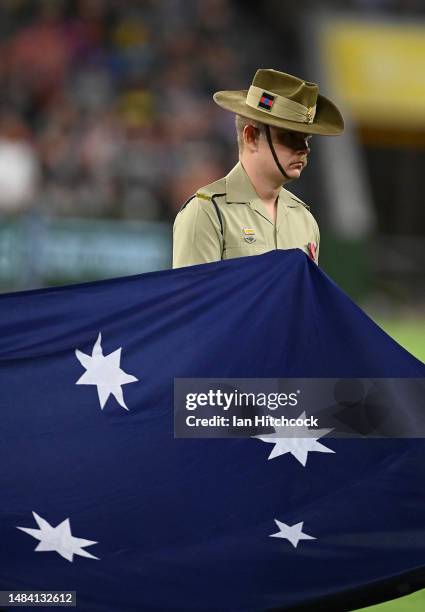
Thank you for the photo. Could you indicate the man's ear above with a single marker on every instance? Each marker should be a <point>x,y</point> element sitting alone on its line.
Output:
<point>250,137</point>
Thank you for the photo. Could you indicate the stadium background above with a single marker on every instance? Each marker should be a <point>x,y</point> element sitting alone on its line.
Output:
<point>107,126</point>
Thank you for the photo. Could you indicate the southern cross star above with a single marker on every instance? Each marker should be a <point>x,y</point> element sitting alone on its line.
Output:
<point>58,539</point>
<point>298,440</point>
<point>104,371</point>
<point>293,533</point>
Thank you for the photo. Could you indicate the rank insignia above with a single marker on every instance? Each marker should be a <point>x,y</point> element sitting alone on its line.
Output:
<point>248,234</point>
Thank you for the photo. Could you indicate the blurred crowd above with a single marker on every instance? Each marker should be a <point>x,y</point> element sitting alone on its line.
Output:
<point>105,105</point>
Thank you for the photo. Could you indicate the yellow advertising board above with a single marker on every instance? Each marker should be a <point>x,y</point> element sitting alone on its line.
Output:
<point>377,69</point>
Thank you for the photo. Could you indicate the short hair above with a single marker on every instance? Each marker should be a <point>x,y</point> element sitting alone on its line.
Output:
<point>240,123</point>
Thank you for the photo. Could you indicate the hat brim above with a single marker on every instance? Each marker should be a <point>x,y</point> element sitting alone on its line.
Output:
<point>328,120</point>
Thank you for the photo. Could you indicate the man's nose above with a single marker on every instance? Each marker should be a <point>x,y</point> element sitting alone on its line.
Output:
<point>303,146</point>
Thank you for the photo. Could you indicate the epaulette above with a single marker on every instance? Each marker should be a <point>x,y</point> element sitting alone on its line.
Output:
<point>211,198</point>
<point>306,206</point>
<point>203,196</point>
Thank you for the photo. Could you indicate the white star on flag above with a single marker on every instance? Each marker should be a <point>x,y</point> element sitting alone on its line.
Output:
<point>290,440</point>
<point>292,533</point>
<point>58,539</point>
<point>104,371</point>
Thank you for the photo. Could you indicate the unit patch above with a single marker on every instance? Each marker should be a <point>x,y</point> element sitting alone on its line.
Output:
<point>249,234</point>
<point>266,101</point>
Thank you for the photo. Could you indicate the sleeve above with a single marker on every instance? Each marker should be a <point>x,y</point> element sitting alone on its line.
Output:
<point>197,237</point>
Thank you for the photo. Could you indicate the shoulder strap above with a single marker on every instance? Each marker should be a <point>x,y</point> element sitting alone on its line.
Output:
<point>211,198</point>
<point>293,197</point>
<point>217,210</point>
<point>305,205</point>
<point>186,203</point>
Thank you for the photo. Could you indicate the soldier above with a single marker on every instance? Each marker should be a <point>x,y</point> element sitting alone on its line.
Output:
<point>248,212</point>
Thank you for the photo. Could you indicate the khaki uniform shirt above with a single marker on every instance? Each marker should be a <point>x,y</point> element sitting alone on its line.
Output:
<point>227,219</point>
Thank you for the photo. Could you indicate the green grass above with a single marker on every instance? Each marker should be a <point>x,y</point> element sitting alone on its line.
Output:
<point>409,603</point>
<point>411,335</point>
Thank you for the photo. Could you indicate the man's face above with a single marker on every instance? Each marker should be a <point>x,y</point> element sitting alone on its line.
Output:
<point>292,149</point>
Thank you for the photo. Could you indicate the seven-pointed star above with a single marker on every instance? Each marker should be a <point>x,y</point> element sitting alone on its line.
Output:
<point>291,440</point>
<point>58,538</point>
<point>292,533</point>
<point>104,371</point>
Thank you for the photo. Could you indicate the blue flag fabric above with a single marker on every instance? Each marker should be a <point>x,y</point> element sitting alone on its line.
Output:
<point>133,519</point>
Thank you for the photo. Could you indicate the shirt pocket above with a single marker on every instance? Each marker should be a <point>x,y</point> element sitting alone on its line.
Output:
<point>244,249</point>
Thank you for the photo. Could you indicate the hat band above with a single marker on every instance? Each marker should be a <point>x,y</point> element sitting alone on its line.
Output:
<point>278,106</point>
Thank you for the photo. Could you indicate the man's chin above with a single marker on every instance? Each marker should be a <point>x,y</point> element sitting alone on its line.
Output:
<point>294,172</point>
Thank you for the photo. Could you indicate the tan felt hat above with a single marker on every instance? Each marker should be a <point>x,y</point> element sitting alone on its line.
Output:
<point>282,100</point>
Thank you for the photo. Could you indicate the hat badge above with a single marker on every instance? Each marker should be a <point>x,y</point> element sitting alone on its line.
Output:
<point>310,114</point>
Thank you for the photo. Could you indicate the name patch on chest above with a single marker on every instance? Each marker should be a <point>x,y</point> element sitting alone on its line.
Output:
<point>249,234</point>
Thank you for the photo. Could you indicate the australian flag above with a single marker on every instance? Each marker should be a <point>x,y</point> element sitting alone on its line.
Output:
<point>100,498</point>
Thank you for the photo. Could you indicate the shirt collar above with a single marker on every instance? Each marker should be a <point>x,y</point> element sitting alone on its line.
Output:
<point>239,189</point>
<point>238,186</point>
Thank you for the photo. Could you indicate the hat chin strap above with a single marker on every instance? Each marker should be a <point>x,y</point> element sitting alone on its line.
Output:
<point>272,149</point>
